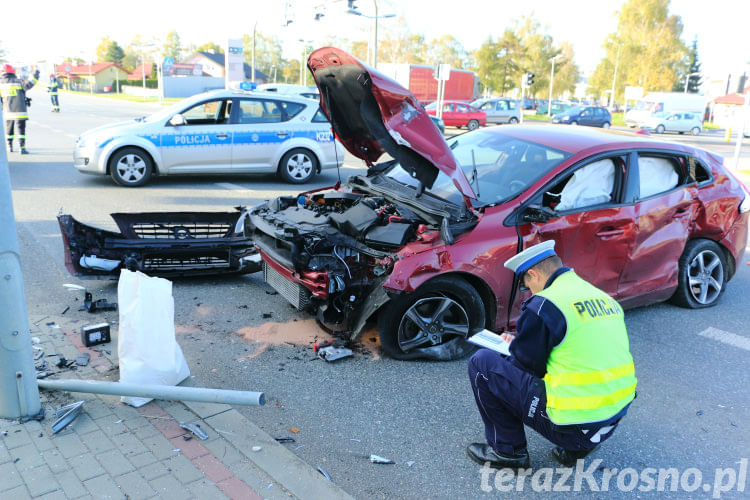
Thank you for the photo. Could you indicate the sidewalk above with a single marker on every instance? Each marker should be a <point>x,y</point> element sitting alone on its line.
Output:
<point>112,450</point>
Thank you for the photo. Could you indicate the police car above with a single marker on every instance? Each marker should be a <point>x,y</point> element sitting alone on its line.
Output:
<point>218,132</point>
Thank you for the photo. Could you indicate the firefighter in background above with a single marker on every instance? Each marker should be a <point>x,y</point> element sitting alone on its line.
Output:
<point>52,87</point>
<point>15,105</point>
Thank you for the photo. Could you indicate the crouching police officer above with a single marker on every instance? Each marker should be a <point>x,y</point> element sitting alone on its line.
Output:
<point>569,376</point>
<point>15,105</point>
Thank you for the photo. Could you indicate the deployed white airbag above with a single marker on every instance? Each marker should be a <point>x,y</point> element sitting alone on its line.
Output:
<point>590,185</point>
<point>656,175</point>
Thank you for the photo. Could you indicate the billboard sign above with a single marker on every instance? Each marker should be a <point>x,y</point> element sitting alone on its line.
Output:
<point>234,71</point>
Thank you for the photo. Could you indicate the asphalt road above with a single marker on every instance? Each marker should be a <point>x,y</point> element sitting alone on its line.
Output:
<point>692,410</point>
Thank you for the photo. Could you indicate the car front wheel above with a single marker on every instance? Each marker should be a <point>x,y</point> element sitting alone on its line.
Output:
<point>433,322</point>
<point>702,275</point>
<point>574,122</point>
<point>130,167</point>
<point>605,125</point>
<point>513,120</point>
<point>473,125</point>
<point>297,166</point>
<point>660,129</point>
<point>695,131</point>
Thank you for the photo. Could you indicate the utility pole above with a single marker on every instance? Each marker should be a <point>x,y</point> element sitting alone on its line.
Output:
<point>551,81</point>
<point>19,393</point>
<point>614,78</point>
<point>252,75</point>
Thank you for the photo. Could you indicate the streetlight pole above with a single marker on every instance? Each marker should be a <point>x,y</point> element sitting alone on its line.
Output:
<point>302,72</point>
<point>614,78</point>
<point>252,74</point>
<point>551,80</point>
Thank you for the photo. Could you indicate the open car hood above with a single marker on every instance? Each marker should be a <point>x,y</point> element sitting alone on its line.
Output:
<point>372,114</point>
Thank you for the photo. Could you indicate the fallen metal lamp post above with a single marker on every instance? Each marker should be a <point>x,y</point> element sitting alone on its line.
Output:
<point>166,392</point>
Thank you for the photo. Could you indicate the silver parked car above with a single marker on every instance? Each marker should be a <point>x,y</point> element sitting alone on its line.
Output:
<point>674,122</point>
<point>499,110</point>
<point>218,132</point>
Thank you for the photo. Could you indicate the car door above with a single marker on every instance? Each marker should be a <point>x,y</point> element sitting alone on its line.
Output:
<point>666,206</point>
<point>489,109</point>
<point>203,144</point>
<point>462,114</point>
<point>586,117</point>
<point>449,115</point>
<point>502,112</point>
<point>593,231</point>
<point>260,127</point>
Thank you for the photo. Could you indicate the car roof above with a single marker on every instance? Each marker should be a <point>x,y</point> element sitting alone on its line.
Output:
<point>252,93</point>
<point>576,139</point>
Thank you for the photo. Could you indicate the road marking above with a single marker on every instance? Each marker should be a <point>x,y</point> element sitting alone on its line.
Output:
<point>726,337</point>
<point>231,187</point>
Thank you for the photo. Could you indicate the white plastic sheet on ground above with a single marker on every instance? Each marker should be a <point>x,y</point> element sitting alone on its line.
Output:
<point>148,351</point>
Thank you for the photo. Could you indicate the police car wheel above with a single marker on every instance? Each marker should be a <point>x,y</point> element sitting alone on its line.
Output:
<point>433,322</point>
<point>703,275</point>
<point>130,167</point>
<point>298,166</point>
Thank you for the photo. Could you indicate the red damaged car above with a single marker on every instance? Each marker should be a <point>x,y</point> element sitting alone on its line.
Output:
<point>421,239</point>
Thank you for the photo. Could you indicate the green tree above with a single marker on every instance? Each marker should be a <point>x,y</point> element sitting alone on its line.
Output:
<point>115,53</point>
<point>567,72</point>
<point>207,47</point>
<point>103,48</point>
<point>537,51</point>
<point>646,49</point>
<point>692,67</point>
<point>267,51</point>
<point>400,45</point>
<point>447,50</point>
<point>172,46</point>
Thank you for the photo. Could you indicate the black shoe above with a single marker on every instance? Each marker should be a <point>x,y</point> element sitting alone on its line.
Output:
<point>10,148</point>
<point>482,453</point>
<point>24,151</point>
<point>569,457</point>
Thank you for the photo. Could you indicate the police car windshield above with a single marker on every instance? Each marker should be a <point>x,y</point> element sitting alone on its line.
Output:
<point>175,108</point>
<point>505,167</point>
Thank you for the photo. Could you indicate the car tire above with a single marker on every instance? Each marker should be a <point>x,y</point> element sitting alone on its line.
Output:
<point>513,120</point>
<point>574,122</point>
<point>298,165</point>
<point>473,124</point>
<point>131,167</point>
<point>695,130</point>
<point>605,125</point>
<point>660,129</point>
<point>703,275</point>
<point>399,321</point>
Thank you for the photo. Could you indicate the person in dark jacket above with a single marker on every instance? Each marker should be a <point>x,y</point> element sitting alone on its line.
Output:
<point>52,87</point>
<point>570,375</point>
<point>15,105</point>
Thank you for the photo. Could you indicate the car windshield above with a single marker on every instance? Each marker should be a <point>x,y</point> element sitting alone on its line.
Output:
<point>574,110</point>
<point>175,108</point>
<point>505,167</point>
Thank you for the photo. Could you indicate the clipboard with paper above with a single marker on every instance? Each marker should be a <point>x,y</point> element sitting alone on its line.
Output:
<point>492,341</point>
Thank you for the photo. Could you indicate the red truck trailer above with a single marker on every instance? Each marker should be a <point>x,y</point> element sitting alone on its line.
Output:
<point>463,85</point>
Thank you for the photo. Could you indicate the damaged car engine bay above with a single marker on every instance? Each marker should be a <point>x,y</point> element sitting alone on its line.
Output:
<point>342,244</point>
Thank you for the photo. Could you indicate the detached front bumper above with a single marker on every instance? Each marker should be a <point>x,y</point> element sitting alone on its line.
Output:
<point>160,244</point>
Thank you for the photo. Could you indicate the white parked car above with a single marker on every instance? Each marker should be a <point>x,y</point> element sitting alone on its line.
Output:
<point>674,122</point>
<point>218,132</point>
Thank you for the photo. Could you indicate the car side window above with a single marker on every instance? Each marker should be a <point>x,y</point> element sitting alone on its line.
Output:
<point>447,108</point>
<point>585,112</point>
<point>291,109</point>
<point>259,111</point>
<point>462,108</point>
<point>319,117</point>
<point>511,104</point>
<point>657,174</point>
<point>502,105</point>
<point>698,171</point>
<point>591,185</point>
<point>207,113</point>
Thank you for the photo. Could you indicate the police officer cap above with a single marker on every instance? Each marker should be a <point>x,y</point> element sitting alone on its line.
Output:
<point>522,262</point>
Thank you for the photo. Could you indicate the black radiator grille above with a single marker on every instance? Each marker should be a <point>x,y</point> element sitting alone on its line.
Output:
<point>180,230</point>
<point>167,263</point>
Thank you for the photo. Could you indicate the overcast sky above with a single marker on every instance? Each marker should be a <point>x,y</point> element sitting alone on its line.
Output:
<point>53,29</point>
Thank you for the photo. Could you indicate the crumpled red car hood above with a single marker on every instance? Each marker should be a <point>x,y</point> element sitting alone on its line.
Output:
<point>372,114</point>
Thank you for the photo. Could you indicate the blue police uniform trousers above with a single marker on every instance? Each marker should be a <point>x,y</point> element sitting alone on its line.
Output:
<point>509,397</point>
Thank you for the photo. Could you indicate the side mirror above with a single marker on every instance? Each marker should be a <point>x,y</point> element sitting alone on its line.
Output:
<point>537,213</point>
<point>177,120</point>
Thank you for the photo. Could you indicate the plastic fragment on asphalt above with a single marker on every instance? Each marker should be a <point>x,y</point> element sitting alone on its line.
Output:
<point>257,448</point>
<point>332,353</point>
<point>699,412</point>
<point>295,430</point>
<point>285,439</point>
<point>66,415</point>
<point>410,463</point>
<point>195,429</point>
<point>380,460</point>
<point>35,340</point>
<point>325,474</point>
<point>65,310</point>
<point>83,359</point>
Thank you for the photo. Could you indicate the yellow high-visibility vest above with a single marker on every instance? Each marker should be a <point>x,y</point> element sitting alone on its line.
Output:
<point>590,374</point>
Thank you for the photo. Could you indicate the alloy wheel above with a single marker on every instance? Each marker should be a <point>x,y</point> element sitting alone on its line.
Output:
<point>432,321</point>
<point>299,166</point>
<point>706,275</point>
<point>131,168</point>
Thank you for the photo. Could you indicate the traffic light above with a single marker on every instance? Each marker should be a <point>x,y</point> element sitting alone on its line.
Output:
<point>529,79</point>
